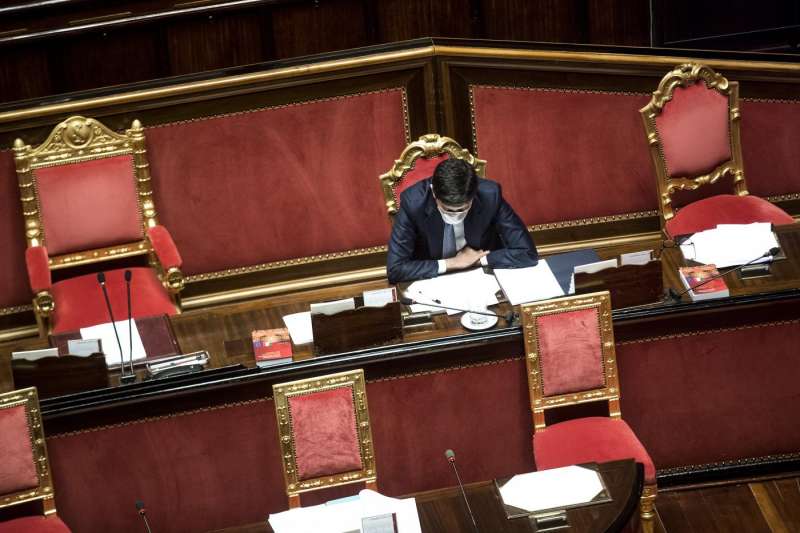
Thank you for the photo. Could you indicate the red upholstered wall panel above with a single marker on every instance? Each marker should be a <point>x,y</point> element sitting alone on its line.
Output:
<point>770,137</point>
<point>14,288</point>
<point>563,154</point>
<point>713,397</point>
<point>279,183</point>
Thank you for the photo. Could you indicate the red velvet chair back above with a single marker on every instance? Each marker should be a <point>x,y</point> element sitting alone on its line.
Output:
<point>86,193</point>
<point>418,161</point>
<point>324,433</point>
<point>570,355</point>
<point>24,468</point>
<point>692,124</point>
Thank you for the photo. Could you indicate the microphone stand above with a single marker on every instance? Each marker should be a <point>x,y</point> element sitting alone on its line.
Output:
<point>101,279</point>
<point>451,458</point>
<point>131,377</point>
<point>676,296</point>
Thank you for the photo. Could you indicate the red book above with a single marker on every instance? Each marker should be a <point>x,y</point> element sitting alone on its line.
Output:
<point>272,346</point>
<point>697,276</point>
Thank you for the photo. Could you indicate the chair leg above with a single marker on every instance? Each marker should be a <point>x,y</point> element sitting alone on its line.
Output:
<point>647,504</point>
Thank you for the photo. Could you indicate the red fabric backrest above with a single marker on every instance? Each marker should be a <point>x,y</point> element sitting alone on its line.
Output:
<point>694,131</point>
<point>17,467</point>
<point>423,168</point>
<point>570,352</point>
<point>89,205</point>
<point>325,435</point>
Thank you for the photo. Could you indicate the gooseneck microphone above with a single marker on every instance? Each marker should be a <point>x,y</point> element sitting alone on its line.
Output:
<point>101,279</point>
<point>143,514</point>
<point>451,458</point>
<point>508,317</point>
<point>131,377</point>
<point>676,296</point>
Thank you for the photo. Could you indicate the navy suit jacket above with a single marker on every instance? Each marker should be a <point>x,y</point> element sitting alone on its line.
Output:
<point>416,242</point>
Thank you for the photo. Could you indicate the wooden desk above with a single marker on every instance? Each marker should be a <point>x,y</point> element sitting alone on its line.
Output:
<point>443,510</point>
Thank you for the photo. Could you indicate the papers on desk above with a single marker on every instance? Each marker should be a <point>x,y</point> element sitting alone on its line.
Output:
<point>340,516</point>
<point>299,326</point>
<point>730,244</point>
<point>108,340</point>
<point>522,285</point>
<point>471,289</point>
<point>556,488</point>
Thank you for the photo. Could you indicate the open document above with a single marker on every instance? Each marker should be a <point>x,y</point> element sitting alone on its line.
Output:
<point>471,289</point>
<point>556,488</point>
<point>731,244</point>
<point>345,515</point>
<point>130,340</point>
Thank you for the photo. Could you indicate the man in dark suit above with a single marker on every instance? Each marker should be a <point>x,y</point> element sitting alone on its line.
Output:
<point>452,221</point>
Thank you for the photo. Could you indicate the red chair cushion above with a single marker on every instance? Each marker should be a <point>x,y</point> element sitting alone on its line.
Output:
<point>693,128</point>
<point>325,436</point>
<point>79,301</point>
<point>89,205</point>
<point>34,524</point>
<point>725,209</point>
<point>593,439</point>
<point>570,352</point>
<point>423,168</point>
<point>17,467</point>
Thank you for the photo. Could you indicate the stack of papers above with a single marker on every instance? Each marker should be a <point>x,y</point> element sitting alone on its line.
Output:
<point>345,515</point>
<point>471,289</point>
<point>731,244</point>
<point>108,341</point>
<point>522,285</point>
<point>556,488</point>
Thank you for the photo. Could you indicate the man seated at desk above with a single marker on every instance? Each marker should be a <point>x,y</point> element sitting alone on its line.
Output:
<point>452,221</point>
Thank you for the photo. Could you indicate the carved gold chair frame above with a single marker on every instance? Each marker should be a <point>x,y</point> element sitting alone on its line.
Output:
<point>44,490</point>
<point>683,76</point>
<point>78,139</point>
<point>609,392</point>
<point>428,145</point>
<point>353,380</point>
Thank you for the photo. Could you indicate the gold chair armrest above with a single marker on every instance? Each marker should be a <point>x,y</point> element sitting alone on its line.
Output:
<point>173,280</point>
<point>43,304</point>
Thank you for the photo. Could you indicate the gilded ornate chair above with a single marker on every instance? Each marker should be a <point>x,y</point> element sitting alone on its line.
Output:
<point>24,469</point>
<point>570,358</point>
<point>692,125</point>
<point>418,161</point>
<point>324,433</point>
<point>87,199</point>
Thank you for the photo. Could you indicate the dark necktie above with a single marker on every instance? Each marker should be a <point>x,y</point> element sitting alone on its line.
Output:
<point>448,242</point>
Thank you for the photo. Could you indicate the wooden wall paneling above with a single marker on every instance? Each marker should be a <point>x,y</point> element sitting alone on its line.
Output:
<point>619,22</point>
<point>217,40</point>
<point>400,20</point>
<point>112,57</point>
<point>24,73</point>
<point>315,27</point>
<point>535,20</point>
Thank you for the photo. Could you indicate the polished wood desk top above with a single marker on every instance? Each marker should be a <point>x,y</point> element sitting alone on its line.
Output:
<point>443,510</point>
<point>225,333</point>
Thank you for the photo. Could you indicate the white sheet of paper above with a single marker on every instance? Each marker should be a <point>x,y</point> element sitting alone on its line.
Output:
<point>373,504</point>
<point>523,285</point>
<point>731,244</point>
<point>470,289</point>
<point>379,297</point>
<point>299,326</point>
<point>331,308</point>
<point>83,347</point>
<point>33,355</point>
<point>636,258</point>
<point>552,489</point>
<point>105,332</point>
<point>591,268</point>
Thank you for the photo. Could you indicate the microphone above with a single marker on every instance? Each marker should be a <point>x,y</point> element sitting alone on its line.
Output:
<point>508,317</point>
<point>143,514</point>
<point>130,378</point>
<point>451,458</point>
<point>676,296</point>
<point>101,279</point>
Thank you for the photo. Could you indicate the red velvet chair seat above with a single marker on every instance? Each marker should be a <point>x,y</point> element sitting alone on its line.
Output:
<point>591,439</point>
<point>725,209</point>
<point>34,524</point>
<point>80,303</point>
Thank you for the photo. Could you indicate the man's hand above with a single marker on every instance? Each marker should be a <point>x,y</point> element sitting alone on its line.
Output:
<point>464,259</point>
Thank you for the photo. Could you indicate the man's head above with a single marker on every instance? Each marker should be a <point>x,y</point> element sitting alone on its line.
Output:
<point>454,185</point>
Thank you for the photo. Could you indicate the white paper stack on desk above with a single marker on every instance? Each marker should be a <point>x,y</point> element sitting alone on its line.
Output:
<point>471,289</point>
<point>731,244</point>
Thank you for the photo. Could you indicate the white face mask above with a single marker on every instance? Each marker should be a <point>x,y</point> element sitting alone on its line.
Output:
<point>454,218</point>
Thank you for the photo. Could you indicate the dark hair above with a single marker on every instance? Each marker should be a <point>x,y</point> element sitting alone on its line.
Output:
<point>454,182</point>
